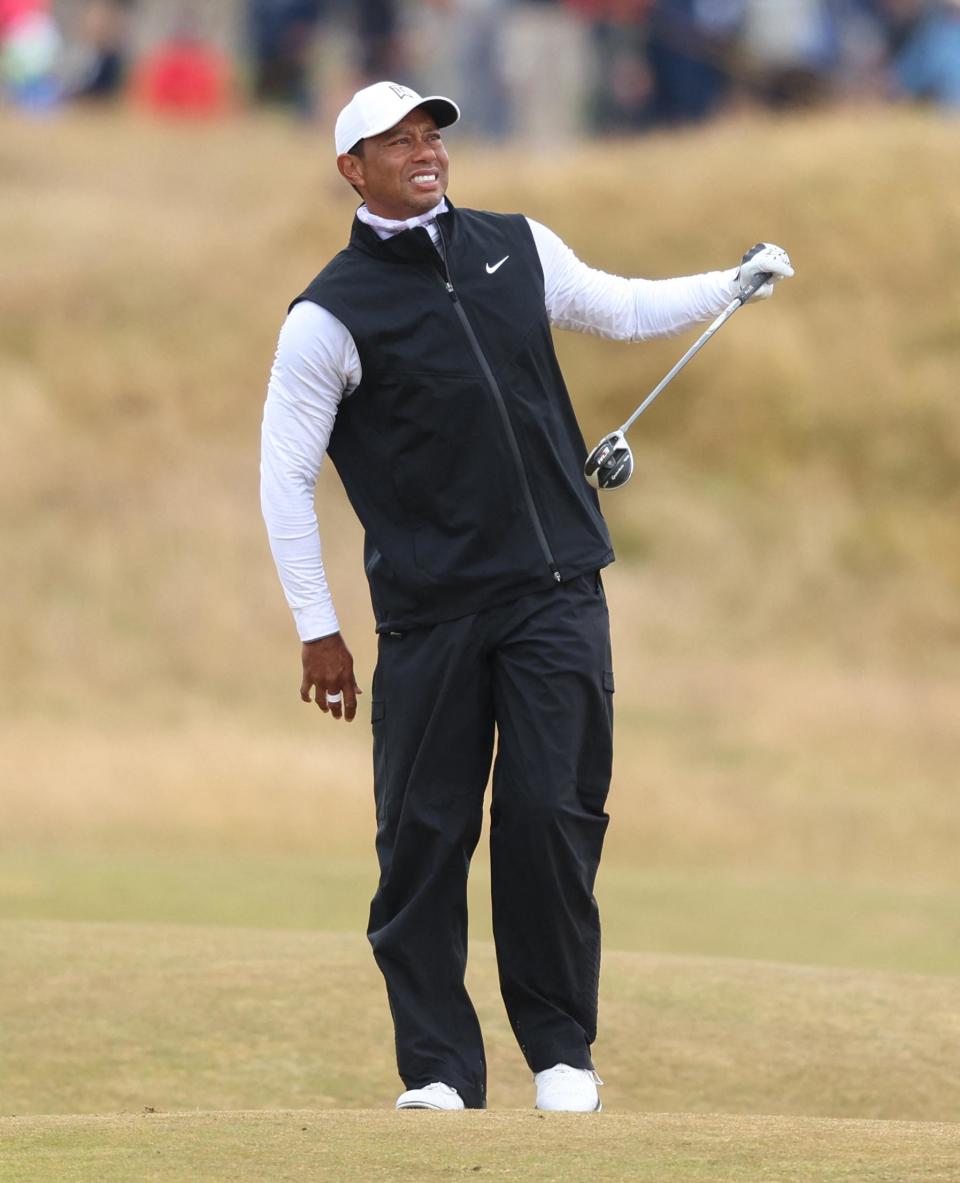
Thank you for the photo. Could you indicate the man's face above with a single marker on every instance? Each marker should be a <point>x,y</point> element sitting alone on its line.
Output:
<point>403,171</point>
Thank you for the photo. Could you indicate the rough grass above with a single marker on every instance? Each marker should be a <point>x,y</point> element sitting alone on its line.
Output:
<point>786,630</point>
<point>799,487</point>
<point>548,1148</point>
<point>762,765</point>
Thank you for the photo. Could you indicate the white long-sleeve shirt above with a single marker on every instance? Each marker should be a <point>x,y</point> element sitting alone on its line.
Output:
<point>316,365</point>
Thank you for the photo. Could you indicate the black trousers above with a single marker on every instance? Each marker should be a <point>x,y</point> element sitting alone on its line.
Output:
<point>537,672</point>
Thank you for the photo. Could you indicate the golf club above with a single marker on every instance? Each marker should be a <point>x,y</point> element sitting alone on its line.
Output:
<point>610,464</point>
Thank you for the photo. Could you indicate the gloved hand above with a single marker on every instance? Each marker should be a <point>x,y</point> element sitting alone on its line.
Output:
<point>764,257</point>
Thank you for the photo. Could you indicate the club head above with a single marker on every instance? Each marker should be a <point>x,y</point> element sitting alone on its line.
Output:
<point>610,464</point>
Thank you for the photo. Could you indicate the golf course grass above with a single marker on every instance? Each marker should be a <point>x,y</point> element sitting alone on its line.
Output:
<point>156,1052</point>
<point>102,1018</point>
<point>369,1146</point>
<point>186,850</point>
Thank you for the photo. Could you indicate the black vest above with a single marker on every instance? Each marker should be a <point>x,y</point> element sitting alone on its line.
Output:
<point>459,450</point>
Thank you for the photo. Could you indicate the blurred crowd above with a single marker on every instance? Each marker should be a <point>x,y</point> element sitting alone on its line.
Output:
<point>538,69</point>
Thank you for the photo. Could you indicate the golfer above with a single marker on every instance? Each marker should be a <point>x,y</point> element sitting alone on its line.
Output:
<point>421,360</point>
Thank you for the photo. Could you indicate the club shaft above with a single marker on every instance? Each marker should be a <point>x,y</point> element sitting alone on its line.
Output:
<point>695,348</point>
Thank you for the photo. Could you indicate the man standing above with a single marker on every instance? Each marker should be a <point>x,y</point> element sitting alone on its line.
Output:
<point>421,359</point>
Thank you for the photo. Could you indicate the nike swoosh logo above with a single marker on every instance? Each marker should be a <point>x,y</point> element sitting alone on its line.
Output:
<point>497,266</point>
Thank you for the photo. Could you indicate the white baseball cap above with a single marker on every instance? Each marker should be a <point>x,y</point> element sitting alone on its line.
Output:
<point>377,108</point>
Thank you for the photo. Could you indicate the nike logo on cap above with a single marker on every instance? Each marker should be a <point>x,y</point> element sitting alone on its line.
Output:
<point>497,266</point>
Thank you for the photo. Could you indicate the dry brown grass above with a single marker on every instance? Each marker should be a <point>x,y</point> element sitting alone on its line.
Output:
<point>800,483</point>
<point>786,601</point>
<point>770,768</point>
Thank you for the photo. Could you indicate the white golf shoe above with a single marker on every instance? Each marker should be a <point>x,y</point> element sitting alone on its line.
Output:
<point>431,1096</point>
<point>568,1090</point>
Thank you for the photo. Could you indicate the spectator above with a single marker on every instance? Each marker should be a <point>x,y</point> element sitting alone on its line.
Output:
<point>96,64</point>
<point>282,34</point>
<point>459,46</point>
<point>899,20</point>
<point>690,48</point>
<point>546,71</point>
<point>621,83</point>
<point>791,47</point>
<point>928,64</point>
<point>378,39</point>
<point>30,49</point>
<point>862,49</point>
<point>184,76</point>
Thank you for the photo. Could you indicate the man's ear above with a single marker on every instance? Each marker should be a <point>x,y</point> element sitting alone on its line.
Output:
<point>351,169</point>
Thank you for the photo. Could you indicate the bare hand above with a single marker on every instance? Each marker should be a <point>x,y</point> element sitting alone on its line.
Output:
<point>328,669</point>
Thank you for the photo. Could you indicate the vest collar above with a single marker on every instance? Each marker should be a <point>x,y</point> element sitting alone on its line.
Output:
<point>409,246</point>
<point>387,227</point>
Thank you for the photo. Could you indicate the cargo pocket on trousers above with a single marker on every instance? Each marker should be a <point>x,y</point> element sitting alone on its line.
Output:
<point>378,720</point>
<point>608,694</point>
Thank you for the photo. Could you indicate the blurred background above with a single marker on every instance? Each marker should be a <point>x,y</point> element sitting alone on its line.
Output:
<point>536,69</point>
<point>786,601</point>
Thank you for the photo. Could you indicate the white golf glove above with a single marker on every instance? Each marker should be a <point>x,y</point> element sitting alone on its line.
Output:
<point>764,257</point>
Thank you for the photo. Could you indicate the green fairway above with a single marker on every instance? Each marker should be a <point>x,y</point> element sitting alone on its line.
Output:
<point>115,1018</point>
<point>881,926</point>
<point>377,1147</point>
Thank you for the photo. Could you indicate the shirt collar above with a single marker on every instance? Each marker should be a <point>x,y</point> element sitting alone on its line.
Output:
<point>388,227</point>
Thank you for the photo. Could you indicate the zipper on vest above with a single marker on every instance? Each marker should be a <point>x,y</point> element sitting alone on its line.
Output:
<point>504,414</point>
